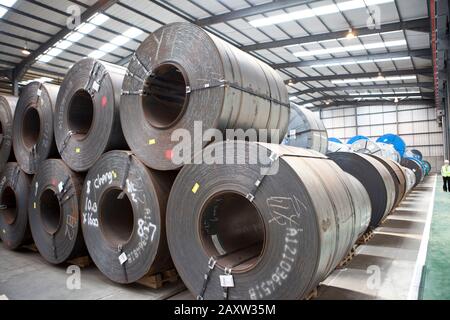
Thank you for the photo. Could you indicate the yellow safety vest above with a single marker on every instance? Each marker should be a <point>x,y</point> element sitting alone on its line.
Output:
<point>445,171</point>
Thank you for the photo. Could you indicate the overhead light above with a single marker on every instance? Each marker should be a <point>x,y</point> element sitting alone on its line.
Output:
<point>97,54</point>
<point>133,33</point>
<point>99,19</point>
<point>350,34</point>
<point>45,58</point>
<point>357,47</point>
<point>86,28</point>
<point>74,37</point>
<point>317,11</point>
<point>25,50</point>
<point>380,76</point>
<point>327,102</point>
<point>374,79</point>
<point>396,100</point>
<point>334,64</point>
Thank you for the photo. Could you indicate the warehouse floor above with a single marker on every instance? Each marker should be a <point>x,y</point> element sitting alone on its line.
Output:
<point>385,268</point>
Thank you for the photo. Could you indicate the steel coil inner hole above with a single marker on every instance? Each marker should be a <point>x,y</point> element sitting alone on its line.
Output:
<point>31,127</point>
<point>50,211</point>
<point>9,205</point>
<point>80,114</point>
<point>116,218</point>
<point>232,229</point>
<point>164,99</point>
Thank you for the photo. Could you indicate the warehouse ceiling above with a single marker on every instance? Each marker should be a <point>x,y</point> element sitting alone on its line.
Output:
<point>333,52</point>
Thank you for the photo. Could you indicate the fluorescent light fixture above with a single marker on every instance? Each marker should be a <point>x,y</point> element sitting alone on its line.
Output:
<point>86,28</point>
<point>317,11</point>
<point>99,19</point>
<point>45,58</point>
<point>133,33</point>
<point>7,3</point>
<point>357,47</point>
<point>64,44</point>
<point>108,47</point>
<point>374,79</point>
<point>120,40</point>
<point>334,64</point>
<point>97,54</point>
<point>3,11</point>
<point>26,52</point>
<point>74,37</point>
<point>54,52</point>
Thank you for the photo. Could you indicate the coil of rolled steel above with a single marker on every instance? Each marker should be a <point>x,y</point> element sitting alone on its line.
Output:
<point>366,147</point>
<point>182,77</point>
<point>14,191</point>
<point>410,179</point>
<point>398,177</point>
<point>123,221</point>
<point>306,130</point>
<point>336,147</point>
<point>415,166</point>
<point>7,108</point>
<point>388,151</point>
<point>278,225</point>
<point>427,167</point>
<point>87,120</point>
<point>33,137</point>
<point>374,177</point>
<point>54,212</point>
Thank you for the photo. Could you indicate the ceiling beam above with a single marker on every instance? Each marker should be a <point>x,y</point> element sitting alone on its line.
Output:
<point>251,11</point>
<point>422,25</point>
<point>425,85</point>
<point>380,96</point>
<point>99,6</point>
<point>372,103</point>
<point>6,73</point>
<point>422,72</point>
<point>422,53</point>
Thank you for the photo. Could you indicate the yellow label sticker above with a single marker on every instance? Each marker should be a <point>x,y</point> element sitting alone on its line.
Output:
<point>114,174</point>
<point>34,205</point>
<point>78,150</point>
<point>195,188</point>
<point>152,142</point>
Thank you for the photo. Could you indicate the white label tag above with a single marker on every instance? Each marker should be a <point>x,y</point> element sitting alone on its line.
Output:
<point>293,134</point>
<point>95,86</point>
<point>60,187</point>
<point>227,281</point>
<point>123,258</point>
<point>39,92</point>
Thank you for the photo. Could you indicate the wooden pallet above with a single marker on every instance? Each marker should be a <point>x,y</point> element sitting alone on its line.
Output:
<point>365,237</point>
<point>82,262</point>
<point>156,281</point>
<point>348,257</point>
<point>312,295</point>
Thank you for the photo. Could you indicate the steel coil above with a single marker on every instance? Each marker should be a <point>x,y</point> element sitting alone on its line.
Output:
<point>306,130</point>
<point>54,212</point>
<point>388,151</point>
<point>356,138</point>
<point>277,235</point>
<point>7,108</point>
<point>123,221</point>
<point>336,147</point>
<point>181,75</point>
<point>332,139</point>
<point>33,137</point>
<point>87,120</point>
<point>14,191</point>
<point>394,140</point>
<point>410,179</point>
<point>374,177</point>
<point>398,177</point>
<point>416,167</point>
<point>427,167</point>
<point>366,147</point>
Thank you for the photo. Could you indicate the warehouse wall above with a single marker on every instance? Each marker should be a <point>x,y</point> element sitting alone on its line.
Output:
<point>416,124</point>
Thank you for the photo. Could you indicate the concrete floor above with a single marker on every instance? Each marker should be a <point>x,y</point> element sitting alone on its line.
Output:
<point>385,268</point>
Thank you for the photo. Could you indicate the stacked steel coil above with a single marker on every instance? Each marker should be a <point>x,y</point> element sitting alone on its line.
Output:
<point>7,108</point>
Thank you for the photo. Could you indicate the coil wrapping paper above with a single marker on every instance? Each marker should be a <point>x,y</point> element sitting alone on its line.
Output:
<point>87,120</point>
<point>123,220</point>
<point>14,191</point>
<point>182,74</point>
<point>374,177</point>
<point>398,177</point>
<point>7,108</point>
<point>280,234</point>
<point>54,212</point>
<point>33,137</point>
<point>415,166</point>
<point>306,130</point>
<point>410,179</point>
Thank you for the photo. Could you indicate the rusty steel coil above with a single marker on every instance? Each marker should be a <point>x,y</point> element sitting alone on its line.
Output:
<point>182,75</point>
<point>7,108</point>
<point>87,120</point>
<point>33,137</point>
<point>277,225</point>
<point>123,222</point>
<point>416,167</point>
<point>410,179</point>
<point>306,130</point>
<point>14,191</point>
<point>374,177</point>
<point>398,177</point>
<point>54,212</point>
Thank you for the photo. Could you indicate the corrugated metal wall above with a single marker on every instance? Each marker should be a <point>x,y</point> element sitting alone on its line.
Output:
<point>416,124</point>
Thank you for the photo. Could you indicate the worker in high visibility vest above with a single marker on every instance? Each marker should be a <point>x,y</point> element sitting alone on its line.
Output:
<point>445,172</point>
